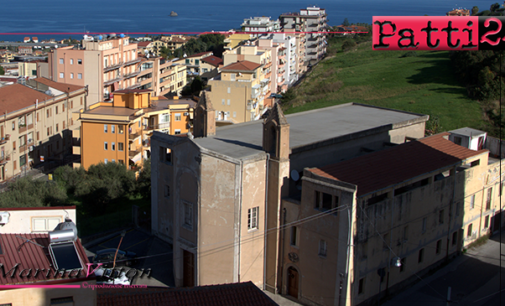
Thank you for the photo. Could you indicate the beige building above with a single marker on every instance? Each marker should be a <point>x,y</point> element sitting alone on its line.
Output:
<point>232,40</point>
<point>36,122</point>
<point>238,92</point>
<point>28,69</point>
<point>159,75</point>
<point>152,48</point>
<point>175,41</point>
<point>315,44</point>
<point>193,63</point>
<point>294,22</point>
<point>25,220</point>
<point>400,212</point>
<point>103,64</point>
<point>217,197</point>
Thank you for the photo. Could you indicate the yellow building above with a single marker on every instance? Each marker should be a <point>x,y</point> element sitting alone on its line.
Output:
<point>120,131</point>
<point>159,75</point>
<point>233,40</point>
<point>238,92</point>
<point>35,124</point>
<point>175,41</point>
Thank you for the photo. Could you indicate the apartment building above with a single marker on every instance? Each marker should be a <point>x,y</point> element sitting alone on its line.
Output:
<point>175,41</point>
<point>6,56</point>
<point>278,83</point>
<point>159,75</point>
<point>292,60</point>
<point>35,123</point>
<point>193,63</point>
<point>217,194</point>
<point>239,92</point>
<point>435,198</point>
<point>152,48</point>
<point>104,64</point>
<point>296,25</point>
<point>23,50</point>
<point>120,131</point>
<point>315,44</point>
<point>232,40</point>
<point>260,25</point>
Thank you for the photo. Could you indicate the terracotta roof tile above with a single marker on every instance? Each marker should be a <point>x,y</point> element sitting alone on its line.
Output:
<point>242,65</point>
<point>199,54</point>
<point>29,255</point>
<point>391,166</point>
<point>143,44</point>
<point>59,86</point>
<point>245,294</point>
<point>125,91</point>
<point>213,60</point>
<point>17,96</point>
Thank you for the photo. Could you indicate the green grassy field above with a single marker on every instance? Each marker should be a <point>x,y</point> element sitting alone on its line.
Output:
<point>423,84</point>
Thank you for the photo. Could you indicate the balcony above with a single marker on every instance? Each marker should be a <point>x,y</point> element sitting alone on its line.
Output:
<point>114,80</point>
<point>22,128</point>
<point>133,136</point>
<point>133,152</point>
<point>160,126</point>
<point>137,60</point>
<point>131,74</point>
<point>5,139</point>
<point>112,67</point>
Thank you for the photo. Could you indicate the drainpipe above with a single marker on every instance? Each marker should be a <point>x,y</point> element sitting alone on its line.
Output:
<point>266,223</point>
<point>390,245</point>
<point>347,264</point>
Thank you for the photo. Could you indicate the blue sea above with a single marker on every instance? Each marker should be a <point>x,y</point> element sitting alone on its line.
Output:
<point>63,18</point>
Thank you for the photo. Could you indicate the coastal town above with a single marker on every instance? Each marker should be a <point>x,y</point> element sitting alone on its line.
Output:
<point>165,170</point>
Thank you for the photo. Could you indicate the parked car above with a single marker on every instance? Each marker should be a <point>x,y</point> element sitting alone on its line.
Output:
<point>274,95</point>
<point>122,259</point>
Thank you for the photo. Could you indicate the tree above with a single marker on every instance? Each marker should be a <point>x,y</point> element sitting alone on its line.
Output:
<point>475,10</point>
<point>346,23</point>
<point>494,7</point>
<point>144,180</point>
<point>2,71</point>
<point>165,52</point>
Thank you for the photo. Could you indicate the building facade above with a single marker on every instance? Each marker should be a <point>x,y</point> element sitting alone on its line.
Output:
<point>217,197</point>
<point>36,122</point>
<point>260,25</point>
<point>120,131</point>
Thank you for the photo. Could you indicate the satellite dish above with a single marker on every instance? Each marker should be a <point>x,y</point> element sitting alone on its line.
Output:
<point>295,176</point>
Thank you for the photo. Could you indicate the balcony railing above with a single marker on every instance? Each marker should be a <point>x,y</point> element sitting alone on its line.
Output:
<point>160,126</point>
<point>132,136</point>
<point>112,67</point>
<point>116,79</point>
<point>132,62</point>
<point>134,152</point>
<point>131,74</point>
<point>5,139</point>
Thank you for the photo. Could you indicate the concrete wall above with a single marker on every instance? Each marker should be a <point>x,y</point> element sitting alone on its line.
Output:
<point>21,219</point>
<point>93,140</point>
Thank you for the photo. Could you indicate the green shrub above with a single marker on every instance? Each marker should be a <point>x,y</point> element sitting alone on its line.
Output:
<point>410,54</point>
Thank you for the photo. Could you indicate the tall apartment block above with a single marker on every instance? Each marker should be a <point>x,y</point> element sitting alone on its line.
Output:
<point>316,40</point>
<point>295,25</point>
<point>260,25</point>
<point>104,64</point>
<point>35,123</point>
<point>160,75</point>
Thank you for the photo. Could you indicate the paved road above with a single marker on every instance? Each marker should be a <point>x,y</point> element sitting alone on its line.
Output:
<point>474,279</point>
<point>152,252</point>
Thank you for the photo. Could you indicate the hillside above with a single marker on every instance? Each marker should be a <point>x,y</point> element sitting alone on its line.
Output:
<point>422,83</point>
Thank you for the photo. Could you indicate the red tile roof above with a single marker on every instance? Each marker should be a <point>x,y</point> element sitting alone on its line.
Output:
<point>29,255</point>
<point>213,60</point>
<point>244,294</point>
<point>143,44</point>
<point>391,166</point>
<point>242,66</point>
<point>17,96</point>
<point>59,86</point>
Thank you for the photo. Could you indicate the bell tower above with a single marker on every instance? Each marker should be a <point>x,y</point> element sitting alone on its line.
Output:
<point>205,117</point>
<point>276,134</point>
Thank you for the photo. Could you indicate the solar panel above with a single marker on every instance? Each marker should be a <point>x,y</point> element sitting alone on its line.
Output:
<point>65,256</point>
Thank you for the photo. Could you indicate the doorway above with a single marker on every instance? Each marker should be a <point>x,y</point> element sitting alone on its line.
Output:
<point>188,269</point>
<point>293,282</point>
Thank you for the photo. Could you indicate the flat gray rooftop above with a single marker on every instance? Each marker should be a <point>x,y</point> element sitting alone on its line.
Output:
<point>245,139</point>
<point>466,131</point>
<point>109,110</point>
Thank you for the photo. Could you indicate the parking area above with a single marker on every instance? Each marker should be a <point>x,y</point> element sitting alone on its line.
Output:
<point>151,252</point>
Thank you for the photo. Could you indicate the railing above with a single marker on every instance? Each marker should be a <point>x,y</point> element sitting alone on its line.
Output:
<point>164,125</point>
<point>132,136</point>
<point>116,79</point>
<point>134,152</point>
<point>5,139</point>
<point>112,67</point>
<point>131,74</point>
<point>5,158</point>
<point>132,61</point>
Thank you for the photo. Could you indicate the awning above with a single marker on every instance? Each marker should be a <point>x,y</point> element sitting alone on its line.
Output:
<point>136,158</point>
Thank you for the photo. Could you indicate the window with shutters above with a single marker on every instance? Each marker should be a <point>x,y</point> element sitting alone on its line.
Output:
<point>44,224</point>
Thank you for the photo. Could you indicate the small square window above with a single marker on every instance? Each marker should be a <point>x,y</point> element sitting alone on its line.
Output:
<point>469,231</point>
<point>120,146</point>
<point>61,75</point>
<point>112,129</point>
<point>113,146</point>
<point>61,61</point>
<point>454,238</point>
<point>71,61</point>
<point>105,161</point>
<point>361,286</point>
<point>105,129</point>
<point>439,247</point>
<point>105,145</point>
<point>472,201</point>
<point>177,132</point>
<point>167,191</point>
<point>177,117</point>
<point>486,222</point>
<point>71,75</point>
<point>441,217</point>
<point>294,236</point>
<point>79,61</point>
<point>79,76</point>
